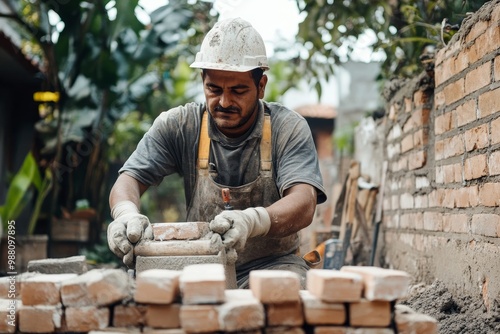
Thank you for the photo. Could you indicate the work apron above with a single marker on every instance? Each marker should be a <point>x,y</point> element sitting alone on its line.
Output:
<point>260,252</point>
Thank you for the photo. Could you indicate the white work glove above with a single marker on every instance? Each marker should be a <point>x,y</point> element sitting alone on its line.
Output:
<point>127,229</point>
<point>237,226</point>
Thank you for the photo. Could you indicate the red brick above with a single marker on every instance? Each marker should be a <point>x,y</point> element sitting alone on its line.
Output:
<point>129,315</point>
<point>454,146</point>
<point>475,167</point>
<point>488,194</point>
<point>455,223</point>
<point>199,318</point>
<point>465,113</point>
<point>334,286</point>
<point>495,131</point>
<point>163,316</point>
<point>411,322</point>
<point>86,318</point>
<point>242,312</point>
<point>417,160</point>
<point>439,100</point>
<point>40,318</point>
<point>476,138</point>
<point>43,289</point>
<point>370,313</point>
<point>381,284</point>
<point>279,330</point>
<point>496,69</point>
<point>97,287</point>
<point>489,102</point>
<point>420,138</point>
<point>284,314</point>
<point>407,143</point>
<point>454,91</point>
<point>179,231</point>
<point>157,286</point>
<point>494,163</point>
<point>331,330</point>
<point>318,312</point>
<point>478,78</point>
<point>442,123</point>
<point>203,283</point>
<point>433,221</point>
<point>477,29</point>
<point>444,70</point>
<point>275,286</point>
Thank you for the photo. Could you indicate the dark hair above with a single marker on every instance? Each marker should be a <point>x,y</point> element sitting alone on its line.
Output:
<point>256,74</point>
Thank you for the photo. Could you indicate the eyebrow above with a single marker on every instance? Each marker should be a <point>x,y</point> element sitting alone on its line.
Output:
<point>239,86</point>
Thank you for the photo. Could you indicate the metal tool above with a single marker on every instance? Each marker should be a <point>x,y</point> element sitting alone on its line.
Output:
<point>226,198</point>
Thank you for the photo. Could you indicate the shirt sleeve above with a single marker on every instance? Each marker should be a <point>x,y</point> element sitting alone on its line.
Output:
<point>296,159</point>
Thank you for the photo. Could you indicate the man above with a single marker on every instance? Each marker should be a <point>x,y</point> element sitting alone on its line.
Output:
<point>263,152</point>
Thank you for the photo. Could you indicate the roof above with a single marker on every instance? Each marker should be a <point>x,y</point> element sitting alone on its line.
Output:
<point>317,111</point>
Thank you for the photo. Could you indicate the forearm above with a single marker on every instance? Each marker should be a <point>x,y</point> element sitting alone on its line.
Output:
<point>293,212</point>
<point>126,188</point>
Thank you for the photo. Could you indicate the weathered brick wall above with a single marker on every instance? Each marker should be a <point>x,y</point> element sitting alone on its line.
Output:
<point>441,214</point>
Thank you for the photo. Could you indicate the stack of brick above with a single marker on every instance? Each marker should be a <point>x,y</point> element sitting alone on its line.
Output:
<point>358,300</point>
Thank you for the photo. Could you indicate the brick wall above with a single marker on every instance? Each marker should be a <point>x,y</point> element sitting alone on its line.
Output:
<point>441,214</point>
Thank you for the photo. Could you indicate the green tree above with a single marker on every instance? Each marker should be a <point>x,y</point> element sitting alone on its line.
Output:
<point>103,63</point>
<point>401,29</point>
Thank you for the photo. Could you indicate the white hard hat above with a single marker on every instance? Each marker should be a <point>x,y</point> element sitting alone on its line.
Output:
<point>232,45</point>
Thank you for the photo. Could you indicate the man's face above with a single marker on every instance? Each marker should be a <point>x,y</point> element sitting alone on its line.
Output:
<point>232,100</point>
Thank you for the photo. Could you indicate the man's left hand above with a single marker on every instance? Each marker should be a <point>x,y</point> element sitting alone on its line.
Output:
<point>237,226</point>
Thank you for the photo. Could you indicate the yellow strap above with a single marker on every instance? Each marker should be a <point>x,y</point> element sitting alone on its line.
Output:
<point>204,143</point>
<point>265,144</point>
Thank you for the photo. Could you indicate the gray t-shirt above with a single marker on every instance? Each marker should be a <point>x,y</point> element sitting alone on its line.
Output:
<point>171,146</point>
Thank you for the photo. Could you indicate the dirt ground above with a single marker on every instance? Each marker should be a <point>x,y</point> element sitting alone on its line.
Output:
<point>455,314</point>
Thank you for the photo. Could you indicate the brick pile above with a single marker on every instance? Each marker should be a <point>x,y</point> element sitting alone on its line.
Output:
<point>359,300</point>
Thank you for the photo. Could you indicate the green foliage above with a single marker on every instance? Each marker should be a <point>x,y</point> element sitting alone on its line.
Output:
<point>401,30</point>
<point>22,187</point>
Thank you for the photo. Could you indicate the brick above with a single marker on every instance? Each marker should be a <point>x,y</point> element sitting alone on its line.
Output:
<point>494,163</point>
<point>411,322</point>
<point>148,330</point>
<point>465,113</point>
<point>129,315</point>
<point>367,313</point>
<point>488,194</point>
<point>163,316</point>
<point>489,102</point>
<point>123,330</point>
<point>43,289</point>
<point>381,284</point>
<point>495,131</point>
<point>97,287</point>
<point>9,287</point>
<point>407,143</point>
<point>496,69</point>
<point>478,78</point>
<point>284,314</point>
<point>68,265</point>
<point>330,330</point>
<point>442,123</point>
<point>40,318</point>
<point>86,318</point>
<point>179,231</point>
<point>203,283</point>
<point>275,286</point>
<point>281,330</point>
<point>334,286</point>
<point>370,331</point>
<point>456,223</point>
<point>157,286</point>
<point>417,160</point>
<point>199,318</point>
<point>454,91</point>
<point>241,312</point>
<point>9,311</point>
<point>476,30</point>
<point>475,167</point>
<point>476,138</point>
<point>318,312</point>
<point>433,221</point>
<point>485,224</point>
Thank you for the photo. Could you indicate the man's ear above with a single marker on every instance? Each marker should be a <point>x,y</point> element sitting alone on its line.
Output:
<point>262,86</point>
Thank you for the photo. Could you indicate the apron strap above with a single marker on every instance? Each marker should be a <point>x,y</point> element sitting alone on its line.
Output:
<point>204,143</point>
<point>265,144</point>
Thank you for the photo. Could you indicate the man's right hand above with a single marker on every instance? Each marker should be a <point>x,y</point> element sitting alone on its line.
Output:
<point>128,228</point>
